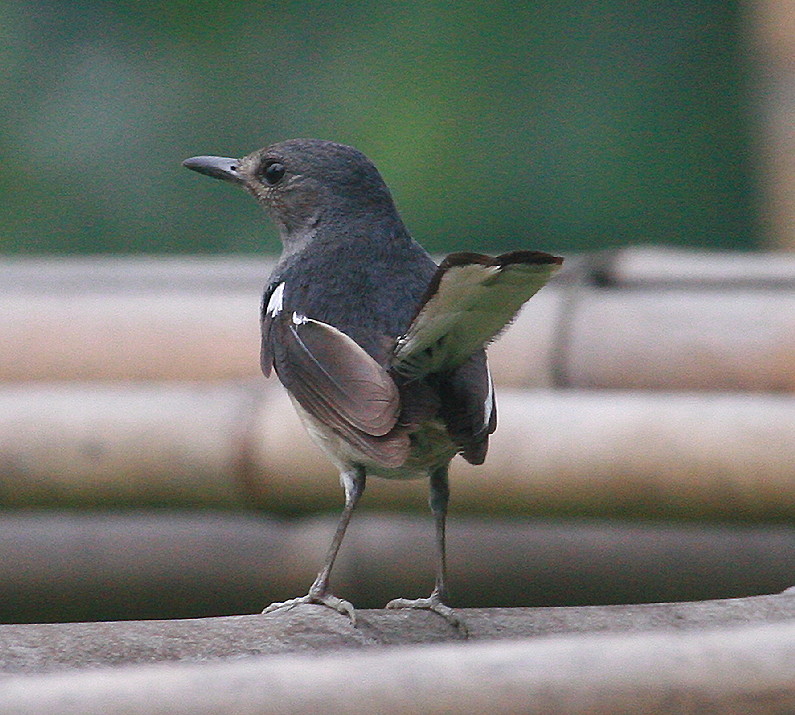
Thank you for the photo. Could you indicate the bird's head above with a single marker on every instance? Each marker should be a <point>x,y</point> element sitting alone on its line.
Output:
<point>302,182</point>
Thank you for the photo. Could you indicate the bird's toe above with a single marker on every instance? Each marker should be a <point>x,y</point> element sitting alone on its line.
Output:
<point>324,599</point>
<point>433,603</point>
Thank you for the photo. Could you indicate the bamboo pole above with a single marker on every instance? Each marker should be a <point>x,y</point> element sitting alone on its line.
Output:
<point>680,340</point>
<point>598,453</point>
<point>129,335</point>
<point>647,267</point>
<point>179,335</point>
<point>731,669</point>
<point>628,267</point>
<point>134,273</point>
<point>680,455</point>
<point>594,339</point>
<point>122,444</point>
<point>720,322</point>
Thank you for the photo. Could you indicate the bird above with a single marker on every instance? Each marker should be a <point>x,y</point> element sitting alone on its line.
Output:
<point>381,350</point>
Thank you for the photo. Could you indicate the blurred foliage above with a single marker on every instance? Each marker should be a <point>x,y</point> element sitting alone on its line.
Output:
<point>560,125</point>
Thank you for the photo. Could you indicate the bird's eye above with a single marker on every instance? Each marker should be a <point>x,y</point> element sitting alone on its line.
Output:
<point>273,173</point>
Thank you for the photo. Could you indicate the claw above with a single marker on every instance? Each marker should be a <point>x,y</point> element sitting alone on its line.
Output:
<point>433,603</point>
<point>324,599</point>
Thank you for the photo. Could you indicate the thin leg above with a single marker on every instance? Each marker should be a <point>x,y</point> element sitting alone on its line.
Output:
<point>439,498</point>
<point>353,482</point>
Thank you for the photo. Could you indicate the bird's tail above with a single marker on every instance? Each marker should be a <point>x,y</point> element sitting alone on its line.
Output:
<point>469,301</point>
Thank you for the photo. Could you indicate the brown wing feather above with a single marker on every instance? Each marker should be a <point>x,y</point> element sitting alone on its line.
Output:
<point>340,385</point>
<point>346,377</point>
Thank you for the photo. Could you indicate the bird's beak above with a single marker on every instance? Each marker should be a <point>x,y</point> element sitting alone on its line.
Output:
<point>219,167</point>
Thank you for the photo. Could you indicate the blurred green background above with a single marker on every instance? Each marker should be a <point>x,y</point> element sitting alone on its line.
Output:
<point>562,125</point>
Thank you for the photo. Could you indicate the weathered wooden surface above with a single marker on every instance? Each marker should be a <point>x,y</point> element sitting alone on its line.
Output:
<point>720,657</point>
<point>599,452</point>
<point>60,566</point>
<point>29,648</point>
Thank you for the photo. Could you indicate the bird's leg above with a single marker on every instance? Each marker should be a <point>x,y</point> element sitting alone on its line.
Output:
<point>439,498</point>
<point>353,482</point>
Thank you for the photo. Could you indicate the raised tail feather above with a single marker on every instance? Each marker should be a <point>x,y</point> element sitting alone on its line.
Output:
<point>469,301</point>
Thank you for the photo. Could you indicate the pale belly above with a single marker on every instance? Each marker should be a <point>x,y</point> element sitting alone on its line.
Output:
<point>431,447</point>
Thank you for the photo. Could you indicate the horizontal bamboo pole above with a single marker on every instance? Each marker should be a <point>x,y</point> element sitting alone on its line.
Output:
<point>163,335</point>
<point>115,445</point>
<point>629,267</point>
<point>599,453</point>
<point>659,267</point>
<point>683,455</point>
<point>177,335</point>
<point>191,320</point>
<point>631,453</point>
<point>731,669</point>
<point>648,339</point>
<point>66,566</point>
<point>680,340</point>
<point>592,339</point>
<point>138,273</point>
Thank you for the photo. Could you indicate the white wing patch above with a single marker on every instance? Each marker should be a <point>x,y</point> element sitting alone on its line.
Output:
<point>489,404</point>
<point>276,301</point>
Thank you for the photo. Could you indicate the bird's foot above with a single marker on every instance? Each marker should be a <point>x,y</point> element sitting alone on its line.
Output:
<point>433,603</point>
<point>324,599</point>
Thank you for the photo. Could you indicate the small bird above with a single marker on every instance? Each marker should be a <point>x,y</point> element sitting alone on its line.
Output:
<point>382,352</point>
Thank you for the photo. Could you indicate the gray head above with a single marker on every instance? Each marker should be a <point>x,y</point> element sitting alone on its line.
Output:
<point>304,182</point>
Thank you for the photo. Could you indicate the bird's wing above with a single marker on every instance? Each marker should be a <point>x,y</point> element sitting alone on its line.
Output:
<point>339,384</point>
<point>470,299</point>
<point>468,407</point>
<point>271,306</point>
